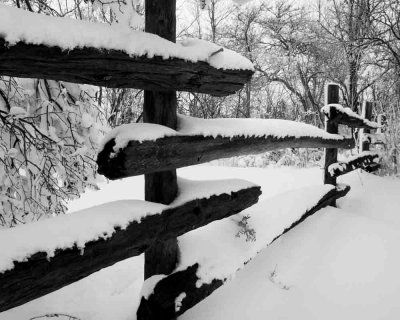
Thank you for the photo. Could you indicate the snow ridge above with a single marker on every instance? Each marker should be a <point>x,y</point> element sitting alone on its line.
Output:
<point>227,128</point>
<point>327,109</point>
<point>268,218</point>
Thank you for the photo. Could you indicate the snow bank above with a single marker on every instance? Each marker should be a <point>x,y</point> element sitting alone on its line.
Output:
<point>338,264</point>
<point>69,34</point>
<point>227,128</point>
<point>220,254</point>
<point>78,228</point>
<point>327,109</point>
<point>66,231</point>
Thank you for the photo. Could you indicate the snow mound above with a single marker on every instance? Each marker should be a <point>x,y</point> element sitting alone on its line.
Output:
<point>268,219</point>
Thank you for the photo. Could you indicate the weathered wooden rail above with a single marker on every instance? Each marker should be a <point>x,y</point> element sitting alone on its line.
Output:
<point>335,115</point>
<point>161,303</point>
<point>339,115</point>
<point>39,275</point>
<point>116,69</point>
<point>367,162</point>
<point>182,151</point>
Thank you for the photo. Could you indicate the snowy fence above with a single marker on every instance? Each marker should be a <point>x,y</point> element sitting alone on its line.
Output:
<point>51,260</point>
<point>337,115</point>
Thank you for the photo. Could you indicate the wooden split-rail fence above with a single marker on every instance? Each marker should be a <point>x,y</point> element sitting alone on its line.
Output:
<point>156,236</point>
<point>335,116</point>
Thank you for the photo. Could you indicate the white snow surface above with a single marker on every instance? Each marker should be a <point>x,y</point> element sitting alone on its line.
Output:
<point>268,218</point>
<point>97,222</point>
<point>224,127</point>
<point>341,263</point>
<point>149,284</point>
<point>69,34</point>
<point>68,230</point>
<point>136,131</point>
<point>179,300</point>
<point>327,109</point>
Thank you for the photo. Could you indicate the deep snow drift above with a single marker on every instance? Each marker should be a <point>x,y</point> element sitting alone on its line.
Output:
<point>340,263</point>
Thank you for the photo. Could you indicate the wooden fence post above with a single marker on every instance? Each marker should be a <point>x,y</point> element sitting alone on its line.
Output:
<point>367,114</point>
<point>331,97</point>
<point>161,108</point>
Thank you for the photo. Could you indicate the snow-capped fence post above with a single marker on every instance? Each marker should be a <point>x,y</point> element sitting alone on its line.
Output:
<point>331,97</point>
<point>161,108</point>
<point>367,114</point>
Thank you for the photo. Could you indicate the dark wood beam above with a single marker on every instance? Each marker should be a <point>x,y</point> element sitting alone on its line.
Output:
<point>161,108</point>
<point>182,151</point>
<point>337,116</point>
<point>365,162</point>
<point>161,303</point>
<point>116,69</point>
<point>367,112</point>
<point>38,275</point>
<point>332,96</point>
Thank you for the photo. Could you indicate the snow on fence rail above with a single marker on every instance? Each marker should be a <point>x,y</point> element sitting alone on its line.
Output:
<point>335,114</point>
<point>339,115</point>
<point>203,268</point>
<point>140,148</point>
<point>41,46</point>
<point>367,161</point>
<point>59,251</point>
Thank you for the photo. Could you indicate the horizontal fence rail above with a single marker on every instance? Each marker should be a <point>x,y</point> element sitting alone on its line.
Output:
<point>116,69</point>
<point>39,275</point>
<point>182,151</point>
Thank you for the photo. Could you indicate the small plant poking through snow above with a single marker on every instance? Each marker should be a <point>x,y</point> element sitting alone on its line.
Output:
<point>273,278</point>
<point>246,230</point>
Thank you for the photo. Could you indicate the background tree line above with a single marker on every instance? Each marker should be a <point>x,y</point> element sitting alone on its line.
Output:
<point>50,131</point>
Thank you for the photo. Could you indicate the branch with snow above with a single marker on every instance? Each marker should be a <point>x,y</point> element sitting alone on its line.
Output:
<point>48,141</point>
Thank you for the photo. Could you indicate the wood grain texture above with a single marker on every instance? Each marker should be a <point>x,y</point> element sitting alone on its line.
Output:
<point>161,303</point>
<point>38,276</point>
<point>182,151</point>
<point>368,115</point>
<point>160,108</point>
<point>339,117</point>
<point>161,187</point>
<point>331,127</point>
<point>116,69</point>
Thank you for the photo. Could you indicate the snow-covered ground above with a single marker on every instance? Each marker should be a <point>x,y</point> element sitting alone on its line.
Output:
<point>339,264</point>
